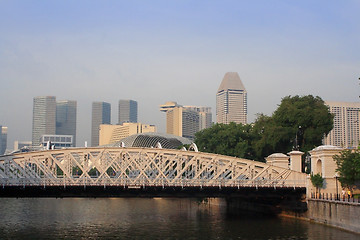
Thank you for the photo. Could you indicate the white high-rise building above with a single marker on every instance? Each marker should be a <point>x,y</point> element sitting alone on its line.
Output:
<point>231,100</point>
<point>44,118</point>
<point>346,124</point>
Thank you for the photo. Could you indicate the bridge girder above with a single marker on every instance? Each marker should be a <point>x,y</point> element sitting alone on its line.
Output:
<point>133,167</point>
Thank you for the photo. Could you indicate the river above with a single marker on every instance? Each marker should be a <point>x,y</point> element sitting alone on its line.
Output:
<point>146,218</point>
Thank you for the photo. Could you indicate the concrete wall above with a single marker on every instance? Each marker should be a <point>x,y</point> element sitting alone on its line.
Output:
<point>339,214</point>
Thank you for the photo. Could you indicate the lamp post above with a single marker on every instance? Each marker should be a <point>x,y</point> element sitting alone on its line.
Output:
<point>336,182</point>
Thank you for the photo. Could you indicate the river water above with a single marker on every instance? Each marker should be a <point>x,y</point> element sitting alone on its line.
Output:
<point>150,218</point>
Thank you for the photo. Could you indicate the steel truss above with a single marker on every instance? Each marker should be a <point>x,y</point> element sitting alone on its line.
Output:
<point>135,167</point>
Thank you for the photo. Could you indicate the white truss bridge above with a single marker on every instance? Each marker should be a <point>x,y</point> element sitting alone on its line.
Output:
<point>141,167</point>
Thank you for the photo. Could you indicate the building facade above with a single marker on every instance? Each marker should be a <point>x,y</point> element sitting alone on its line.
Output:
<point>3,139</point>
<point>185,121</point>
<point>128,111</point>
<point>231,100</point>
<point>44,118</point>
<point>205,116</point>
<point>346,124</point>
<point>66,118</point>
<point>101,114</point>
<point>57,141</point>
<point>109,134</point>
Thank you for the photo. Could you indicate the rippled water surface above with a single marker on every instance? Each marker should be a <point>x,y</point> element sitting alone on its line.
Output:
<point>138,218</point>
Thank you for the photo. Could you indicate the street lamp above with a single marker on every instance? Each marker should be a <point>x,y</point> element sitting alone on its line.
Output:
<point>336,176</point>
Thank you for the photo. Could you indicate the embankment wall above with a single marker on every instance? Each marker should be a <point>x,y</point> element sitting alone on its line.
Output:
<point>344,215</point>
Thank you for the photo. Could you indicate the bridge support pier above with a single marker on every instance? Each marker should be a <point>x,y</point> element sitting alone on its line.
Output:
<point>273,202</point>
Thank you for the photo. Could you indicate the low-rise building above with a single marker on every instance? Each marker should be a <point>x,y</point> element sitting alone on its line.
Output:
<point>113,133</point>
<point>58,141</point>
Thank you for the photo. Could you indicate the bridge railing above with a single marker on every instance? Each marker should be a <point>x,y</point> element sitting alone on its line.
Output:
<point>140,167</point>
<point>125,182</point>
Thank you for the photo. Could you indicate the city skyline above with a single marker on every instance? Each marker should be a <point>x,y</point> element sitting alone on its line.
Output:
<point>161,51</point>
<point>185,121</point>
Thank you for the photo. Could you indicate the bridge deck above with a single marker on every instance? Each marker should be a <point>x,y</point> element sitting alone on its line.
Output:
<point>139,168</point>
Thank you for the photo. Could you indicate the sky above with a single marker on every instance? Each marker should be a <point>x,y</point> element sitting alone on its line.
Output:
<point>159,51</point>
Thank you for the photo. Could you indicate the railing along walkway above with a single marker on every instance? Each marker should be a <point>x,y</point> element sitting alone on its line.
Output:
<point>335,198</point>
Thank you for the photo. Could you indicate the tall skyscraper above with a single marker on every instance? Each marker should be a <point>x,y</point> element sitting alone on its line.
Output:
<point>66,118</point>
<point>231,100</point>
<point>101,114</point>
<point>346,124</point>
<point>185,121</point>
<point>128,111</point>
<point>44,118</point>
<point>3,139</point>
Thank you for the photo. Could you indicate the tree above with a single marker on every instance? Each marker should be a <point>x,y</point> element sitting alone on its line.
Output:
<point>348,166</point>
<point>300,121</point>
<point>306,117</point>
<point>226,139</point>
<point>317,181</point>
<point>269,137</point>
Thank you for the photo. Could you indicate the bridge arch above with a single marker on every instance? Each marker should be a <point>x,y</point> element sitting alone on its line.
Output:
<point>110,166</point>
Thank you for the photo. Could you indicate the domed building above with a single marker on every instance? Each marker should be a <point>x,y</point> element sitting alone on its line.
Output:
<point>151,139</point>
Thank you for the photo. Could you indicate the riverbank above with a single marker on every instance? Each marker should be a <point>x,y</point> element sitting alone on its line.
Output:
<point>338,214</point>
<point>344,215</point>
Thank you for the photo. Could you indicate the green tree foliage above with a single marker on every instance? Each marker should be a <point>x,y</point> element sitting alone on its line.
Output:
<point>226,139</point>
<point>317,180</point>
<point>305,118</point>
<point>308,112</point>
<point>348,166</point>
<point>298,121</point>
<point>269,137</point>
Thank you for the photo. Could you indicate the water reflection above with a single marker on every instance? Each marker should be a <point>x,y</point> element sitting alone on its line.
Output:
<point>138,218</point>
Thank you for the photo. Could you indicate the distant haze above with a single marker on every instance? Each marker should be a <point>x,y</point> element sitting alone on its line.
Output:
<point>159,51</point>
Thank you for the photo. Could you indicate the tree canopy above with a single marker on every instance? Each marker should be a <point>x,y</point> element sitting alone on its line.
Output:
<point>226,139</point>
<point>299,122</point>
<point>306,117</point>
<point>348,166</point>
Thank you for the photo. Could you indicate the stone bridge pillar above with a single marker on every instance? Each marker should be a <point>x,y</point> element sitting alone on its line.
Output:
<point>295,160</point>
<point>278,160</point>
<point>322,162</point>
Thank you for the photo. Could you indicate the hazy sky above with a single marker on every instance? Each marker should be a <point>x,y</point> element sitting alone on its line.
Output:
<point>158,51</point>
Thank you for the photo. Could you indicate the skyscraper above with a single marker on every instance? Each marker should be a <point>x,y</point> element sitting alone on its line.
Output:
<point>231,100</point>
<point>66,118</point>
<point>3,139</point>
<point>185,121</point>
<point>101,114</point>
<point>44,118</point>
<point>346,124</point>
<point>205,116</point>
<point>128,111</point>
